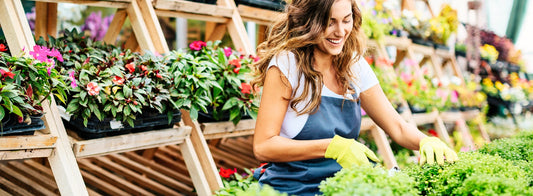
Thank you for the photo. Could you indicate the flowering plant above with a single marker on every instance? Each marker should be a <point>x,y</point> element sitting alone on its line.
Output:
<point>443,25</point>
<point>27,81</point>
<point>108,82</point>
<point>388,82</point>
<point>230,95</point>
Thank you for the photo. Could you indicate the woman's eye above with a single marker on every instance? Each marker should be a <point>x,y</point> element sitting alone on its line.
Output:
<point>346,21</point>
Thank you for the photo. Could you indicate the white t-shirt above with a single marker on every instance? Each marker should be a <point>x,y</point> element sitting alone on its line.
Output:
<point>286,62</point>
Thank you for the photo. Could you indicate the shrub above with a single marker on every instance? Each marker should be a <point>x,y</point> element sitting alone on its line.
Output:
<point>367,180</point>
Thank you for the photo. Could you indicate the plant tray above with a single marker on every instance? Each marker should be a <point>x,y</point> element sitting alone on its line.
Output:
<point>111,127</point>
<point>276,5</point>
<point>23,129</point>
<point>213,2</point>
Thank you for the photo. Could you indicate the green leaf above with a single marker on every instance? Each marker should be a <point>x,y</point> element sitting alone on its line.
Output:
<point>127,91</point>
<point>2,113</point>
<point>193,113</point>
<point>230,103</point>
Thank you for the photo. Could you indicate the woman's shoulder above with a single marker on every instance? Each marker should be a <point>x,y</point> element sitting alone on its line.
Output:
<point>283,58</point>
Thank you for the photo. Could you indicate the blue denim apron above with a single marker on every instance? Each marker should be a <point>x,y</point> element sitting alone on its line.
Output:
<point>334,116</point>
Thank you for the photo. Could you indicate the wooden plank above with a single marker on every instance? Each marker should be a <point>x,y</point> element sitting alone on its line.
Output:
<point>367,124</point>
<point>425,118</point>
<point>194,166</point>
<point>115,26</point>
<point>24,182</point>
<point>154,27</point>
<point>228,135</point>
<point>24,154</point>
<point>130,142</point>
<point>442,131</point>
<point>217,33</point>
<point>384,148</point>
<point>27,142</point>
<point>150,173</point>
<point>45,19</point>
<point>194,8</point>
<point>160,168</point>
<point>400,43</point>
<point>134,177</point>
<point>62,161</point>
<point>29,172</point>
<point>15,26</point>
<point>102,185</point>
<point>227,127</point>
<point>12,188</point>
<point>203,153</point>
<point>139,27</point>
<point>96,3</point>
<point>236,29</point>
<point>43,170</point>
<point>116,181</point>
<point>267,17</point>
<point>177,165</point>
<point>4,193</point>
<point>176,14</point>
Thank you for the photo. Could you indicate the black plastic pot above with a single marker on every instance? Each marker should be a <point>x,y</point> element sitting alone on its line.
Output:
<point>109,127</point>
<point>209,116</point>
<point>10,126</point>
<point>276,5</point>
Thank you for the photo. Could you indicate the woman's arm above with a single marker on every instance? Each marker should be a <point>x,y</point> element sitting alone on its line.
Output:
<point>378,107</point>
<point>269,146</point>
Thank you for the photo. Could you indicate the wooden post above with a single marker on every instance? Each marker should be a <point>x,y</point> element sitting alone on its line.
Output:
<point>383,146</point>
<point>116,25</point>
<point>236,29</point>
<point>202,151</point>
<point>45,20</point>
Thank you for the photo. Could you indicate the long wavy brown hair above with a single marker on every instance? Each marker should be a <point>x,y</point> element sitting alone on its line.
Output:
<point>298,30</point>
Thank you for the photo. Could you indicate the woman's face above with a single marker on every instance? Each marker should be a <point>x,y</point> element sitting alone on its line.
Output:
<point>339,28</point>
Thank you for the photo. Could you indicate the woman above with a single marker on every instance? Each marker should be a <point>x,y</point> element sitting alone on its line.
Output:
<point>313,90</point>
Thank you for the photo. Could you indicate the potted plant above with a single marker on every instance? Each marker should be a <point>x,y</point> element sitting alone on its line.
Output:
<point>443,26</point>
<point>26,83</point>
<point>229,93</point>
<point>113,90</point>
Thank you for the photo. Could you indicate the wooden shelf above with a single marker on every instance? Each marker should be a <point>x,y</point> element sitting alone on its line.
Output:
<point>258,15</point>
<point>130,142</point>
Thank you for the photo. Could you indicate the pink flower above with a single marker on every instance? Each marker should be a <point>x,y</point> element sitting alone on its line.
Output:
<point>57,54</point>
<point>72,78</point>
<point>197,45</point>
<point>118,80</point>
<point>3,48</point>
<point>454,97</point>
<point>130,67</point>
<point>256,58</point>
<point>40,53</point>
<point>406,77</point>
<point>245,88</point>
<point>227,51</point>
<point>49,69</point>
<point>93,88</point>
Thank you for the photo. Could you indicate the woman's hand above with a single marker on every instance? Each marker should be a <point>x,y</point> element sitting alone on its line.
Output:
<point>432,148</point>
<point>348,152</point>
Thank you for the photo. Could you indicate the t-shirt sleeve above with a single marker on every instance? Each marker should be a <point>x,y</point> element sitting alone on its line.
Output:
<point>365,77</point>
<point>286,62</point>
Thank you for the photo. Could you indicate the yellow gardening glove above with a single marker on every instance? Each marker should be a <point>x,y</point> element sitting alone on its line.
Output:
<point>432,148</point>
<point>348,152</point>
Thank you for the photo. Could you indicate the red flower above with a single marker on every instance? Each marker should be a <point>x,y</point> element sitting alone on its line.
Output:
<point>93,88</point>
<point>3,48</point>
<point>143,68</point>
<point>369,60</point>
<point>7,73</point>
<point>245,88</point>
<point>236,70</point>
<point>158,75</point>
<point>118,80</point>
<point>432,132</point>
<point>197,45</point>
<point>226,173</point>
<point>235,62</point>
<point>130,67</point>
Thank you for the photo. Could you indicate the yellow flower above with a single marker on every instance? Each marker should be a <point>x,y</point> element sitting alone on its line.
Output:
<point>499,86</point>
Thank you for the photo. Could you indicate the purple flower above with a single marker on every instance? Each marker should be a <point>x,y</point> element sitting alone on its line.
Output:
<point>73,83</point>
<point>97,26</point>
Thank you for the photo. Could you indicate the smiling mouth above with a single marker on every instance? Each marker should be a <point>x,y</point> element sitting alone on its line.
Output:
<point>335,41</point>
